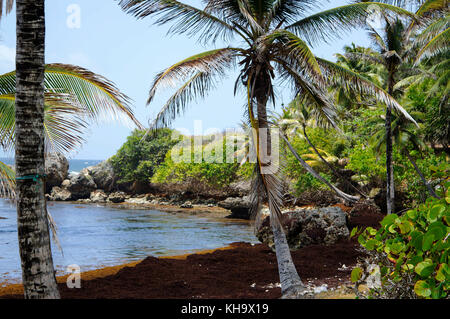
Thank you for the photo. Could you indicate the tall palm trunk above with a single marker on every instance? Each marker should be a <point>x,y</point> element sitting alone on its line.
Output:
<point>38,275</point>
<point>291,284</point>
<point>390,187</point>
<point>422,177</point>
<point>336,173</point>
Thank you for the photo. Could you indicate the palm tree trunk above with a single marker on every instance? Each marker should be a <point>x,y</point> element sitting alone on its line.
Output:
<point>422,177</point>
<point>38,275</point>
<point>291,284</point>
<point>390,186</point>
<point>336,173</point>
<point>310,170</point>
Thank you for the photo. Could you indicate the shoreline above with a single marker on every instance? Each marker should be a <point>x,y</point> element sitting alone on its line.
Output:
<point>214,273</point>
<point>102,272</point>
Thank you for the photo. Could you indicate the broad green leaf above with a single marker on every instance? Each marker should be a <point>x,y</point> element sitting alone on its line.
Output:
<point>425,268</point>
<point>422,289</point>
<point>356,274</point>
<point>388,220</point>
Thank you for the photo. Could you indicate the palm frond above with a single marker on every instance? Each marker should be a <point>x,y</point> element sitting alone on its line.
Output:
<point>437,45</point>
<point>189,20</point>
<point>296,51</point>
<point>98,96</point>
<point>329,24</point>
<point>64,122</point>
<point>214,61</point>
<point>288,10</point>
<point>7,181</point>
<point>352,81</point>
<point>196,87</point>
<point>6,7</point>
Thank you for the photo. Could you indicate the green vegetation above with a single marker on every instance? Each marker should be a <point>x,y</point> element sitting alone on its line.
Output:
<point>411,250</point>
<point>141,155</point>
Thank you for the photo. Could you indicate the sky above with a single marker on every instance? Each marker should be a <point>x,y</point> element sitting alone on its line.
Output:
<point>99,36</point>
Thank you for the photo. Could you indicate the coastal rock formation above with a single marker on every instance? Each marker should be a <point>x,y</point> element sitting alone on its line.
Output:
<point>305,227</point>
<point>103,175</point>
<point>60,194</point>
<point>81,185</point>
<point>117,197</point>
<point>98,196</point>
<point>239,206</point>
<point>56,169</point>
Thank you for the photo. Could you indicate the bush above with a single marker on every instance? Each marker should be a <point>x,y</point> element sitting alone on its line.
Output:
<point>409,253</point>
<point>138,158</point>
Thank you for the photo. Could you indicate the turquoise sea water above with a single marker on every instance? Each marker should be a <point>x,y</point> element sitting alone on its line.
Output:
<point>93,236</point>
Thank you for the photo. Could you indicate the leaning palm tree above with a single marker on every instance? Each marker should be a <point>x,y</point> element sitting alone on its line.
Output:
<point>300,116</point>
<point>272,40</point>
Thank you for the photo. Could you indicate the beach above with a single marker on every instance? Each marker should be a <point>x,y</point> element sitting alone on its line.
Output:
<point>241,270</point>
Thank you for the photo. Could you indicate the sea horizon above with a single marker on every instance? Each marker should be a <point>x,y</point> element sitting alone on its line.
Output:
<point>75,165</point>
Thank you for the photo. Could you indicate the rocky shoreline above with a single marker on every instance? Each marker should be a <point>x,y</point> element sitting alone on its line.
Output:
<point>326,222</point>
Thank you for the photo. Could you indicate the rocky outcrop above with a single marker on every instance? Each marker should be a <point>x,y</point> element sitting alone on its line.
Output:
<point>98,196</point>
<point>239,206</point>
<point>117,197</point>
<point>56,169</point>
<point>60,194</point>
<point>81,186</point>
<point>103,175</point>
<point>304,227</point>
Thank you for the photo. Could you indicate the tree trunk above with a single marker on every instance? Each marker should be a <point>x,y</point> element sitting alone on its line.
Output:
<point>422,177</point>
<point>291,285</point>
<point>38,275</point>
<point>336,173</point>
<point>390,186</point>
<point>310,170</point>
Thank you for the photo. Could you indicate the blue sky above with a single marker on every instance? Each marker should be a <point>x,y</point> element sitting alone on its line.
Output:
<point>130,53</point>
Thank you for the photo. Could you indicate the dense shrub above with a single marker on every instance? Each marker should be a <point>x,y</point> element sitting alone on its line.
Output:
<point>138,158</point>
<point>410,253</point>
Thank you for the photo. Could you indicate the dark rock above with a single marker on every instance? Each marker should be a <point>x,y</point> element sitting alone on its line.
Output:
<point>117,197</point>
<point>305,227</point>
<point>56,169</point>
<point>103,175</point>
<point>239,207</point>
<point>365,213</point>
<point>187,205</point>
<point>239,188</point>
<point>81,185</point>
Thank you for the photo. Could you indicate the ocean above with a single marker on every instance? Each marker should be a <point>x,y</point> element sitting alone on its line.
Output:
<point>75,165</point>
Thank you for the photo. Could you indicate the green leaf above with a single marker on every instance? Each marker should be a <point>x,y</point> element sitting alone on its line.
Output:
<point>354,231</point>
<point>428,240</point>
<point>356,274</point>
<point>442,273</point>
<point>422,289</point>
<point>435,212</point>
<point>388,220</point>
<point>425,268</point>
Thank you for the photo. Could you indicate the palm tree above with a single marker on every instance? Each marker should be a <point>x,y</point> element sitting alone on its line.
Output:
<point>406,136</point>
<point>273,37</point>
<point>298,115</point>
<point>33,106</point>
<point>38,275</point>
